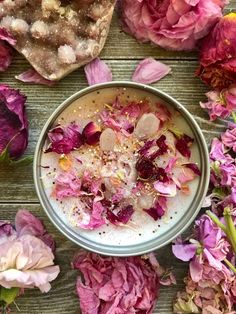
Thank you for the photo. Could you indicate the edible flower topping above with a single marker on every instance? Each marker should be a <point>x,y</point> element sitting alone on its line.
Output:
<point>91,133</point>
<point>122,216</point>
<point>183,144</point>
<point>155,212</point>
<point>64,139</point>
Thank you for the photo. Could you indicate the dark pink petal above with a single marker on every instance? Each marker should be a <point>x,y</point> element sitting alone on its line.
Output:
<point>149,71</point>
<point>13,122</point>
<point>5,57</point>
<point>194,168</point>
<point>145,168</point>
<point>33,77</point>
<point>97,72</point>
<point>144,150</point>
<point>163,147</point>
<point>183,144</point>
<point>123,216</point>
<point>155,212</point>
<point>6,36</point>
<point>64,139</point>
<point>91,133</point>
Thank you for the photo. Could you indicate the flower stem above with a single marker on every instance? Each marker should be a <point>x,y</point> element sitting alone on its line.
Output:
<point>216,220</point>
<point>231,266</point>
<point>231,231</point>
<point>234,116</point>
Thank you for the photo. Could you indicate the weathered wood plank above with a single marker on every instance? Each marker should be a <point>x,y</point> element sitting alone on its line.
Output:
<point>62,298</point>
<point>42,101</point>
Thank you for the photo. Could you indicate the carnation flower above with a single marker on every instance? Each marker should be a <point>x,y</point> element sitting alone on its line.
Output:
<point>218,54</point>
<point>175,25</point>
<point>118,285</point>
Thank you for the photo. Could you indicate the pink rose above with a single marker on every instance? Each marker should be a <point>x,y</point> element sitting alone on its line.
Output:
<point>171,24</point>
<point>26,262</point>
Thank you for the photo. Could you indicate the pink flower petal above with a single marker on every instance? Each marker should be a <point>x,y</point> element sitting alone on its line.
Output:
<point>5,56</point>
<point>97,72</point>
<point>33,77</point>
<point>149,71</point>
<point>167,189</point>
<point>6,36</point>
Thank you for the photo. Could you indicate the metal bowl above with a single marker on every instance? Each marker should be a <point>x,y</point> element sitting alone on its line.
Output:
<point>180,216</point>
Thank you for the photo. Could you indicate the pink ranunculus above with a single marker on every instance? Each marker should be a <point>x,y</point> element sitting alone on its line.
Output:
<point>171,24</point>
<point>26,262</point>
<point>13,122</point>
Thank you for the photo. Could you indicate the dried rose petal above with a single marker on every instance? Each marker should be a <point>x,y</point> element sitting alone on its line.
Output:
<point>13,121</point>
<point>155,212</point>
<point>123,216</point>
<point>149,71</point>
<point>218,54</point>
<point>160,175</point>
<point>64,139</point>
<point>97,71</point>
<point>91,133</point>
<point>145,168</point>
<point>194,168</point>
<point>163,147</point>
<point>182,145</point>
<point>6,36</point>
<point>33,77</point>
<point>165,188</point>
<point>143,151</point>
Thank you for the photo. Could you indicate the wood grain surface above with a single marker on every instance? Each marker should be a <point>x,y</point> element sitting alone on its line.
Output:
<point>122,53</point>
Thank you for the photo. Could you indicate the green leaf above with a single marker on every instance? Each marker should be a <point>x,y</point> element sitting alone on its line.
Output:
<point>8,295</point>
<point>6,160</point>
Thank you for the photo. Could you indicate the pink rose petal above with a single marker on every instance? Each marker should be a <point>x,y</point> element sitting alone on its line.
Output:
<point>149,71</point>
<point>97,71</point>
<point>33,77</point>
<point>6,36</point>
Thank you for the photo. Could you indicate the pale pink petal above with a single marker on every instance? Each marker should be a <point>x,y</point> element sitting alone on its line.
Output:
<point>33,77</point>
<point>6,36</point>
<point>167,189</point>
<point>97,71</point>
<point>149,71</point>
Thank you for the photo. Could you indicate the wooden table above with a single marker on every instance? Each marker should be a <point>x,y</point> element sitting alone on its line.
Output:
<point>17,188</point>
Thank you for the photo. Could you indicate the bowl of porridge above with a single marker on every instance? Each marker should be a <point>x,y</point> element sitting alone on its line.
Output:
<point>121,168</point>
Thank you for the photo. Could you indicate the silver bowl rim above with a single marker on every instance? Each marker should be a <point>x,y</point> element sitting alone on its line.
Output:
<point>144,247</point>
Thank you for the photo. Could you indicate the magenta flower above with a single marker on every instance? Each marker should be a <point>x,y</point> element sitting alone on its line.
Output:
<point>5,51</point>
<point>175,25</point>
<point>218,54</point>
<point>13,122</point>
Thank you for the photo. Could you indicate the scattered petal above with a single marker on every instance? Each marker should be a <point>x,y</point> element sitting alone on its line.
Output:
<point>97,72</point>
<point>33,77</point>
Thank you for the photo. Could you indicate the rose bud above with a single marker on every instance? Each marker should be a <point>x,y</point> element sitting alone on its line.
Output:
<point>91,133</point>
<point>13,124</point>
<point>171,24</point>
<point>218,54</point>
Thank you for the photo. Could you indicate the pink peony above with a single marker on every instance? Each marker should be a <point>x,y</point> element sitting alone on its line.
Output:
<point>175,25</point>
<point>118,285</point>
<point>218,54</point>
<point>27,262</point>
